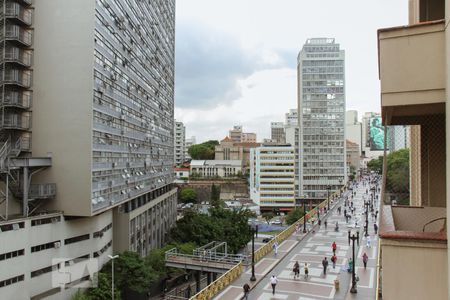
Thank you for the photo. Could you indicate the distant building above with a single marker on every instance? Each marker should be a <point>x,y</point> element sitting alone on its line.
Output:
<point>181,174</point>
<point>399,137</point>
<point>229,150</point>
<point>248,137</point>
<point>236,133</point>
<point>272,174</point>
<point>188,143</point>
<point>291,118</point>
<point>179,143</point>
<point>353,155</point>
<point>277,132</point>
<point>353,128</point>
<point>216,168</point>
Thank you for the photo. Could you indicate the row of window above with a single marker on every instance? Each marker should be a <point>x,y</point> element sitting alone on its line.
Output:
<point>11,280</point>
<point>102,231</point>
<point>45,221</point>
<point>12,254</point>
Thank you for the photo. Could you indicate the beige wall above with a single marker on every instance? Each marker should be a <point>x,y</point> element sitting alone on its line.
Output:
<point>409,263</point>
<point>63,95</point>
<point>414,167</point>
<point>447,126</point>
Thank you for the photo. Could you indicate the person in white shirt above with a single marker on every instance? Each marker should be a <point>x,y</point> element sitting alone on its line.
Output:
<point>273,282</point>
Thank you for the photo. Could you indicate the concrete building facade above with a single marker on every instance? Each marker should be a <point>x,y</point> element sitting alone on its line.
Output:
<point>353,128</point>
<point>272,175</point>
<point>179,143</point>
<point>236,133</point>
<point>414,75</point>
<point>188,143</point>
<point>230,150</point>
<point>99,152</point>
<point>291,118</point>
<point>353,156</point>
<point>277,133</point>
<point>321,106</point>
<point>216,168</point>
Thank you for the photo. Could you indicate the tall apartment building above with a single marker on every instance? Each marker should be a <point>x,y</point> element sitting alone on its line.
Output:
<point>188,142</point>
<point>277,132</point>
<point>92,174</point>
<point>321,106</point>
<point>179,143</point>
<point>272,177</point>
<point>414,68</point>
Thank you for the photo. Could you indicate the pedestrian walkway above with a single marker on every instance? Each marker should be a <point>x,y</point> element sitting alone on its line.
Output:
<point>311,248</point>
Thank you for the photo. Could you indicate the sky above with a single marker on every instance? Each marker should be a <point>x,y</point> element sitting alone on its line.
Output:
<point>235,60</point>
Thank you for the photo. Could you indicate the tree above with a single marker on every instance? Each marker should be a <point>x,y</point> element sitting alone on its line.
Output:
<point>376,165</point>
<point>188,195</point>
<point>131,273</point>
<point>294,215</point>
<point>397,177</point>
<point>204,150</point>
<point>103,289</point>
<point>80,295</point>
<point>268,216</point>
<point>215,196</point>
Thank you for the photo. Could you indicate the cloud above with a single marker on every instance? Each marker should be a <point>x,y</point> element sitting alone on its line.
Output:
<point>210,63</point>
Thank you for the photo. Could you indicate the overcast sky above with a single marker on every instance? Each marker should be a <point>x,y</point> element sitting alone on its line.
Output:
<point>236,59</point>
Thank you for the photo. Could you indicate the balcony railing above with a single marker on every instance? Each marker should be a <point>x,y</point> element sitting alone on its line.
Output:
<point>17,55</point>
<point>18,12</point>
<point>17,33</point>
<point>13,121</point>
<point>17,77</point>
<point>411,68</point>
<point>16,99</point>
<point>36,191</point>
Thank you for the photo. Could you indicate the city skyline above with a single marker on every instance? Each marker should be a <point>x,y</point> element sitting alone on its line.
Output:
<point>230,73</point>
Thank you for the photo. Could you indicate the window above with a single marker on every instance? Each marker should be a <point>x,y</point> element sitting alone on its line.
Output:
<point>12,254</point>
<point>11,281</point>
<point>13,226</point>
<point>45,221</point>
<point>76,239</point>
<point>41,247</point>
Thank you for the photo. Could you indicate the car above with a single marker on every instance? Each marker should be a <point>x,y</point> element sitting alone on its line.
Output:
<point>276,222</point>
<point>267,239</point>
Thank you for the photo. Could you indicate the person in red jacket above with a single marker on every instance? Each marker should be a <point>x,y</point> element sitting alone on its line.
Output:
<point>334,247</point>
<point>333,260</point>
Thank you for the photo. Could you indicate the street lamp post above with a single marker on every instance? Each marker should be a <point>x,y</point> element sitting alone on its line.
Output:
<point>328,197</point>
<point>340,183</point>
<point>353,238</point>
<point>253,278</point>
<point>304,215</point>
<point>112,274</point>
<point>366,207</point>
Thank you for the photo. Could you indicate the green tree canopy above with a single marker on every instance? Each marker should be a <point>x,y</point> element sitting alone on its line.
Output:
<point>215,196</point>
<point>267,216</point>
<point>204,150</point>
<point>103,289</point>
<point>294,215</point>
<point>397,179</point>
<point>188,195</point>
<point>376,165</point>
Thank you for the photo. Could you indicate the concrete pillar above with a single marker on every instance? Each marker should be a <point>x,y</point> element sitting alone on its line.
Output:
<point>197,281</point>
<point>214,276</point>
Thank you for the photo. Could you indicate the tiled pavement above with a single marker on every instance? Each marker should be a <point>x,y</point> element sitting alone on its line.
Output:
<point>312,248</point>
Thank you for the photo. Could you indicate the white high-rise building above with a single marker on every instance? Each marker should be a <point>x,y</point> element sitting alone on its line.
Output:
<point>179,143</point>
<point>291,118</point>
<point>272,177</point>
<point>188,143</point>
<point>277,132</point>
<point>321,106</point>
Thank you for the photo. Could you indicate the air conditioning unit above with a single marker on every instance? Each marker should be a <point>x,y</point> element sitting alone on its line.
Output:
<point>57,244</point>
<point>15,226</point>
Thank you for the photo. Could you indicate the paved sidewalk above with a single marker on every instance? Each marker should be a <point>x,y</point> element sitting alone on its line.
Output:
<point>312,248</point>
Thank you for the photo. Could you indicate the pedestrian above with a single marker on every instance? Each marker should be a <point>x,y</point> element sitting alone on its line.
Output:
<point>296,269</point>
<point>334,247</point>
<point>325,265</point>
<point>275,248</point>
<point>333,260</point>
<point>320,222</point>
<point>365,260</point>
<point>339,210</point>
<point>368,242</point>
<point>325,223</point>
<point>204,255</point>
<point>246,288</point>
<point>188,291</point>
<point>306,271</point>
<point>345,212</point>
<point>375,228</point>
<point>273,282</point>
<point>350,265</point>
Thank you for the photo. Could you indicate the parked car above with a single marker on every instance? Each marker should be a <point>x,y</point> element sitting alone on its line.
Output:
<point>267,239</point>
<point>276,222</point>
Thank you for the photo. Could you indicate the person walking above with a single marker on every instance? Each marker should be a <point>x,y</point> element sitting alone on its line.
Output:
<point>320,222</point>
<point>375,228</point>
<point>365,259</point>
<point>275,248</point>
<point>368,242</point>
<point>246,288</point>
<point>333,260</point>
<point>325,265</point>
<point>306,271</point>
<point>296,269</point>
<point>273,282</point>
<point>325,223</point>
<point>334,247</point>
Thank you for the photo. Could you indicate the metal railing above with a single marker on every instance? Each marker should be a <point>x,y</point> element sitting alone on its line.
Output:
<point>16,98</point>
<point>16,32</point>
<point>16,76</point>
<point>211,290</point>
<point>216,260</point>
<point>15,10</point>
<point>14,54</point>
<point>14,121</point>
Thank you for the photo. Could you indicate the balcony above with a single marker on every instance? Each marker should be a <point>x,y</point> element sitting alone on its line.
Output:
<point>15,121</point>
<point>412,71</point>
<point>18,13</point>
<point>18,34</point>
<point>18,77</point>
<point>35,191</point>
<point>16,55</point>
<point>413,249</point>
<point>17,99</point>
